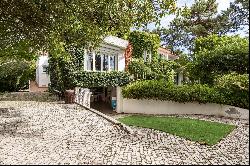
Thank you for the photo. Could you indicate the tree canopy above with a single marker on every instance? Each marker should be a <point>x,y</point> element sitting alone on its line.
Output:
<point>238,15</point>
<point>82,22</point>
<point>216,55</point>
<point>200,20</point>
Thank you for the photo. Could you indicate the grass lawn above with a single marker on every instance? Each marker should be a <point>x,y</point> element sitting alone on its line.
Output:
<point>201,131</point>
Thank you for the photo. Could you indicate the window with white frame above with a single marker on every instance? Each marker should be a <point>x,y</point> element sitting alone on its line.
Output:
<point>89,60</point>
<point>147,55</point>
<point>101,61</point>
<point>112,62</point>
<point>45,68</point>
<point>105,63</point>
<point>98,62</point>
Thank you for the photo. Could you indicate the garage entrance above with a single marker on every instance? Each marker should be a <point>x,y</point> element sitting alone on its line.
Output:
<point>101,99</point>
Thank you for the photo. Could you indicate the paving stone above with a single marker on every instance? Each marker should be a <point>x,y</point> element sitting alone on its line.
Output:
<point>37,133</point>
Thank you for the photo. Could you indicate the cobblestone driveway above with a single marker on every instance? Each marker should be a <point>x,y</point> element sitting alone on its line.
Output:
<point>50,133</point>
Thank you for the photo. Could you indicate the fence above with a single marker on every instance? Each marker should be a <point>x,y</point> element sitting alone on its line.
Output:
<point>82,96</point>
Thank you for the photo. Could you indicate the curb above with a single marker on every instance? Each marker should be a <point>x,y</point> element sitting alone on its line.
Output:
<point>127,129</point>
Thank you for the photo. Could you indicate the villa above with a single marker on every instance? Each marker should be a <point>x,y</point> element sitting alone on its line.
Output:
<point>112,55</point>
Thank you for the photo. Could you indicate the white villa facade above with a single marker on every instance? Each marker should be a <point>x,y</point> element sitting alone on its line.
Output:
<point>110,56</point>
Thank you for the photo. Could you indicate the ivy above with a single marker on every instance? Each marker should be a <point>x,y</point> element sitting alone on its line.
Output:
<point>144,41</point>
<point>62,62</point>
<point>101,79</point>
<point>155,70</point>
<point>66,69</point>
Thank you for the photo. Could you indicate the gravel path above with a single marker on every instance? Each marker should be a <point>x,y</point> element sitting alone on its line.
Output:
<point>54,133</point>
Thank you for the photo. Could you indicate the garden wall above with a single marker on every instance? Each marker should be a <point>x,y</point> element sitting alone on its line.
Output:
<point>28,96</point>
<point>168,107</point>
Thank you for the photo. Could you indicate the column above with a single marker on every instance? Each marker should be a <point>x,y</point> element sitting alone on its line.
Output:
<point>119,100</point>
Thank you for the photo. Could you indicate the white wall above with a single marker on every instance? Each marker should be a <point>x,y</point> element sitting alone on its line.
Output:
<point>168,107</point>
<point>121,61</point>
<point>37,71</point>
<point>118,42</point>
<point>119,100</point>
<point>43,78</point>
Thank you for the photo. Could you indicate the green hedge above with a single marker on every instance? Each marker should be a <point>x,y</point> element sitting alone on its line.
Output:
<point>100,79</point>
<point>160,90</point>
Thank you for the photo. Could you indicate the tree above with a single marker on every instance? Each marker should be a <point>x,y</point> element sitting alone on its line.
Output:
<point>238,14</point>
<point>199,20</point>
<point>83,22</point>
<point>219,55</point>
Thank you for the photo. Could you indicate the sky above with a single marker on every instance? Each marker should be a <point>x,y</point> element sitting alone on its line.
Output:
<point>222,5</point>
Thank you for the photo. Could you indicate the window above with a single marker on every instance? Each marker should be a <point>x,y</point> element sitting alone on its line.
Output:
<point>98,62</point>
<point>176,78</point>
<point>89,61</point>
<point>105,62</point>
<point>112,62</point>
<point>45,69</point>
<point>145,55</point>
<point>101,61</point>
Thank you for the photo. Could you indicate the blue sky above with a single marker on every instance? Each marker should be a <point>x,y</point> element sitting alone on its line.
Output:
<point>222,5</point>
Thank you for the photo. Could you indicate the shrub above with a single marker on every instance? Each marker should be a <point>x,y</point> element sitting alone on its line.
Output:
<point>215,55</point>
<point>15,75</point>
<point>155,70</point>
<point>233,81</point>
<point>236,86</point>
<point>160,90</point>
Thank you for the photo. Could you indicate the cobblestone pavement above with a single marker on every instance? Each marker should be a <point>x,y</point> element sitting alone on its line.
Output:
<point>52,133</point>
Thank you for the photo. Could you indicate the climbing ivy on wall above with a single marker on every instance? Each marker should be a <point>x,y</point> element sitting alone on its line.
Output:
<point>144,41</point>
<point>101,79</point>
<point>63,61</point>
<point>155,70</point>
<point>67,71</point>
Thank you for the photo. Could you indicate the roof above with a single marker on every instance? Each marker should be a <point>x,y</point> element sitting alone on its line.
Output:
<point>167,52</point>
<point>116,41</point>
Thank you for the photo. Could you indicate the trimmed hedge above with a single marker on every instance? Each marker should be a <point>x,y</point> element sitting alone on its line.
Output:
<point>160,90</point>
<point>100,79</point>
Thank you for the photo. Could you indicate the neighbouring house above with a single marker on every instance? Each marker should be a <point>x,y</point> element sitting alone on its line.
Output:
<point>42,77</point>
<point>110,56</point>
<point>166,54</point>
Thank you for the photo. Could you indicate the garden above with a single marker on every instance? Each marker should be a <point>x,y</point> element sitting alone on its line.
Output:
<point>216,67</point>
<point>203,132</point>
<point>208,79</point>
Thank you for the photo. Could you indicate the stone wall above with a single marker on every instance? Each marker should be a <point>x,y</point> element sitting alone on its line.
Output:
<point>28,96</point>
